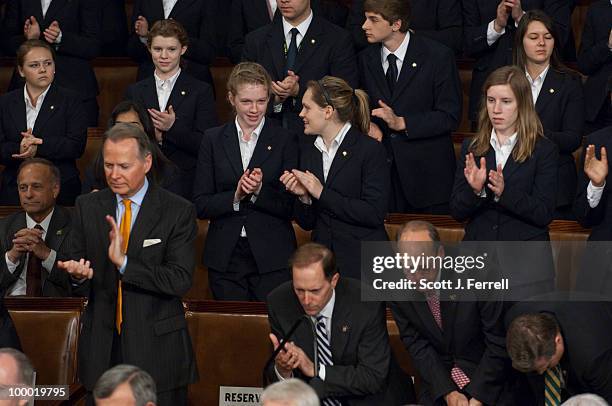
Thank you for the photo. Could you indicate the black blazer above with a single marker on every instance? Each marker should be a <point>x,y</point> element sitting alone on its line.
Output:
<point>587,360</point>
<point>61,123</point>
<point>477,14</point>
<point>79,21</point>
<point>268,220</point>
<point>114,28</point>
<point>197,18</point>
<point>154,333</point>
<point>440,20</point>
<point>526,205</point>
<point>194,105</point>
<point>8,334</point>
<point>560,106</point>
<point>353,204</point>
<point>472,337</point>
<point>54,283</point>
<point>428,96</point>
<point>326,49</point>
<point>364,370</point>
<point>594,57</point>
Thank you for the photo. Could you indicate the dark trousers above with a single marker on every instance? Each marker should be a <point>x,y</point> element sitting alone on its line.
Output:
<point>242,281</point>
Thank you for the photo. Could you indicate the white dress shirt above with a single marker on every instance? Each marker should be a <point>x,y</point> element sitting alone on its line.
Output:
<point>301,27</point>
<point>168,6</point>
<point>329,154</point>
<point>400,53</point>
<point>537,83</point>
<point>502,151</point>
<point>164,89</point>
<point>31,110</point>
<point>44,5</point>
<point>19,287</point>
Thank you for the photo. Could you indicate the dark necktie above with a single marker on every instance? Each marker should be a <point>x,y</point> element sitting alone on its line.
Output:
<point>292,51</point>
<point>33,273</point>
<point>391,72</point>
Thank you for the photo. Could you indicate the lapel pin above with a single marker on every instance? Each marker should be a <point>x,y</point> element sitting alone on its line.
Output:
<point>312,41</point>
<point>414,65</point>
<point>52,107</point>
<point>343,153</point>
<point>59,232</point>
<point>182,93</point>
<point>453,297</point>
<point>551,90</point>
<point>269,148</point>
<point>345,328</point>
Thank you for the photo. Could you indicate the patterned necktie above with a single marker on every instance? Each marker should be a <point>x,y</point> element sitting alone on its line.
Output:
<point>124,230</point>
<point>391,74</point>
<point>292,51</point>
<point>457,374</point>
<point>33,273</point>
<point>325,355</point>
<point>552,386</point>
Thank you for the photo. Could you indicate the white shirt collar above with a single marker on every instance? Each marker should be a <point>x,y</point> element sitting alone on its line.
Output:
<point>400,52</point>
<point>336,142</point>
<point>539,80</point>
<point>302,27</point>
<point>510,143</point>
<point>169,82</point>
<point>255,133</point>
<point>328,309</point>
<point>39,101</point>
<point>30,223</point>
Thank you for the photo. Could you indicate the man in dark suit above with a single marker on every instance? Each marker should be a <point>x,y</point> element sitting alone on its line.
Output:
<point>199,22</point>
<point>415,97</point>
<point>355,364</point>
<point>457,346</point>
<point>114,29</point>
<point>595,60</point>
<point>439,20</point>
<point>563,347</point>
<point>34,238</point>
<point>73,29</point>
<point>134,276</point>
<point>315,49</point>
<point>488,34</point>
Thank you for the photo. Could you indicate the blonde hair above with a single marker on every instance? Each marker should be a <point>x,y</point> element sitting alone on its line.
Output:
<point>248,73</point>
<point>528,125</point>
<point>351,105</point>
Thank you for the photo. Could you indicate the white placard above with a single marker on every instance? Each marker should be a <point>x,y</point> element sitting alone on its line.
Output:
<point>239,396</point>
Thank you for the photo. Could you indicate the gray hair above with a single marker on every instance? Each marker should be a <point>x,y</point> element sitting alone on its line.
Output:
<point>291,390</point>
<point>586,399</point>
<point>142,385</point>
<point>25,374</point>
<point>124,131</point>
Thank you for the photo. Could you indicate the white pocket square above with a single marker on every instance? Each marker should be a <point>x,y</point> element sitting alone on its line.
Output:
<point>152,241</point>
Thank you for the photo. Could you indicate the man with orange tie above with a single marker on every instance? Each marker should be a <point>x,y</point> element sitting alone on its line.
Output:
<point>132,256</point>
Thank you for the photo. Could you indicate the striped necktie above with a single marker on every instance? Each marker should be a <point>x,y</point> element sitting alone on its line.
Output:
<point>325,355</point>
<point>552,386</point>
<point>124,230</point>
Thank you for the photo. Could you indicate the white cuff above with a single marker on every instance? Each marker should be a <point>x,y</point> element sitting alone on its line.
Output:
<point>9,264</point>
<point>236,205</point>
<point>306,200</point>
<point>143,40</point>
<point>279,376</point>
<point>493,35</point>
<point>594,194</point>
<point>58,40</point>
<point>278,107</point>
<point>50,261</point>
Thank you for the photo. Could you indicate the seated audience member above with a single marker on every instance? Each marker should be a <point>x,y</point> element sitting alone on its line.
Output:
<point>595,61</point>
<point>290,392</point>
<point>125,385</point>
<point>73,29</point>
<point>415,98</point>
<point>16,370</point>
<point>195,16</point>
<point>488,35</point>
<point>237,187</point>
<point>557,95</point>
<point>181,107</point>
<point>41,120</point>
<point>355,363</point>
<point>342,181</point>
<point>564,348</point>
<point>456,346</point>
<point>32,239</point>
<point>163,172</point>
<point>299,47</point>
<point>439,20</point>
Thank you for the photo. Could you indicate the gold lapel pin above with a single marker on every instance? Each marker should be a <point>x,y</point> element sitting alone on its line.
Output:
<point>345,328</point>
<point>414,65</point>
<point>52,107</point>
<point>182,93</point>
<point>269,148</point>
<point>312,41</point>
<point>344,153</point>
<point>58,232</point>
<point>551,90</point>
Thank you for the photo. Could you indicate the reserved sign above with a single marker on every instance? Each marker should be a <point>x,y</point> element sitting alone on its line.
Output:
<point>239,396</point>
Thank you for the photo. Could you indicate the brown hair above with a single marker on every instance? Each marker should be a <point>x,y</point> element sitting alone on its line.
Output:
<point>528,126</point>
<point>530,337</point>
<point>351,105</point>
<point>168,29</point>
<point>248,73</point>
<point>30,44</point>
<point>390,10</point>
<point>313,253</point>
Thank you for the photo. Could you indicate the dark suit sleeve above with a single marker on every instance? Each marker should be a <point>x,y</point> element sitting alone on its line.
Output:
<point>559,11</point>
<point>355,20</point>
<point>343,63</point>
<point>370,208</point>
<point>174,275</point>
<point>474,30</point>
<point>187,134</point>
<point>569,137</point>
<point>85,43</point>
<point>586,215</point>
<point>426,360</point>
<point>369,374</point>
<point>305,214</point>
<point>237,31</point>
<point>210,203</point>
<point>201,49</point>
<point>592,55</point>
<point>249,50</point>
<point>12,27</point>
<point>464,202</point>
<point>71,144</point>
<point>8,147</point>
<point>77,249</point>
<point>135,48</point>
<point>448,25</point>
<point>538,206</point>
<point>598,377</point>
<point>445,114</point>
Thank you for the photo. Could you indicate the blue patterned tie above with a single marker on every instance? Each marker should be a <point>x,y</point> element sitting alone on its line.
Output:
<point>325,355</point>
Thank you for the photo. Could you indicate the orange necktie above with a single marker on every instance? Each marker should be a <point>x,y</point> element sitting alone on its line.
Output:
<point>124,229</point>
